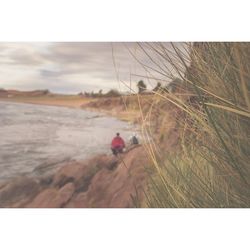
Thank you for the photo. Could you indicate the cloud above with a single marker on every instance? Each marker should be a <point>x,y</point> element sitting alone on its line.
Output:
<point>95,59</point>
<point>26,57</point>
<point>91,58</point>
<point>72,66</point>
<point>50,73</point>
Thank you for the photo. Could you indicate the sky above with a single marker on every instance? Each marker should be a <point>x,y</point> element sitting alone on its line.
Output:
<point>73,67</point>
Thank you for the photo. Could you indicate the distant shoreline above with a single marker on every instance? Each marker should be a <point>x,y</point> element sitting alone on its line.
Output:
<point>77,102</point>
<point>49,101</point>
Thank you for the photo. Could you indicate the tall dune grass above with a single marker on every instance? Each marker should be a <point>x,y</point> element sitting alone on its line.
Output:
<point>210,166</point>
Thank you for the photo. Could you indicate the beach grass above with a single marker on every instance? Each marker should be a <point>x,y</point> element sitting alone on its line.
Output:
<point>209,114</point>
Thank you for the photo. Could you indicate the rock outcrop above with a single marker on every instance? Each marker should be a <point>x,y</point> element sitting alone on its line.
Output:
<point>53,197</point>
<point>103,181</point>
<point>117,188</point>
<point>18,191</point>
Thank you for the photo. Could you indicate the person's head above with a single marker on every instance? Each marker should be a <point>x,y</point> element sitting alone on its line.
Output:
<point>117,134</point>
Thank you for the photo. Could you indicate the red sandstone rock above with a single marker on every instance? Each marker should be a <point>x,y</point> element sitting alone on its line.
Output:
<point>114,188</point>
<point>103,181</point>
<point>70,172</point>
<point>81,173</point>
<point>18,191</point>
<point>52,197</point>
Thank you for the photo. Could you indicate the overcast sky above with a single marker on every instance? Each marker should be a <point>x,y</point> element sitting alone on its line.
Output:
<point>72,67</point>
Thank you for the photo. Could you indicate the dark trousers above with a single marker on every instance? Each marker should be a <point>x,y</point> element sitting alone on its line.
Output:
<point>117,150</point>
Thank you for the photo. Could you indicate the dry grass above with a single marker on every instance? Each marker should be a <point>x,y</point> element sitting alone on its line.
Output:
<point>209,167</point>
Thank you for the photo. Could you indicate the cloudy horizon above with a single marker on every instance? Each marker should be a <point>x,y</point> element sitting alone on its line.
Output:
<point>71,67</point>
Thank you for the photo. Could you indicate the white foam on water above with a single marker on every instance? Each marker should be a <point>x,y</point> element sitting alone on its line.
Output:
<point>35,136</point>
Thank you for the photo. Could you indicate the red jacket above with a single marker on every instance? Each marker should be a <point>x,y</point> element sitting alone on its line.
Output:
<point>117,142</point>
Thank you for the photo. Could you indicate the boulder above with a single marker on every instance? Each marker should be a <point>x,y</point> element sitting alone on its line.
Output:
<point>115,189</point>
<point>18,191</point>
<point>81,173</point>
<point>53,197</point>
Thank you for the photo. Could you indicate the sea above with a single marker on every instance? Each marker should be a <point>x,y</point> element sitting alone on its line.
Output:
<point>36,139</point>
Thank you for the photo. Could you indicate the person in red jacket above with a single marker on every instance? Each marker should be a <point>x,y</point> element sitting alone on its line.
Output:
<point>117,144</point>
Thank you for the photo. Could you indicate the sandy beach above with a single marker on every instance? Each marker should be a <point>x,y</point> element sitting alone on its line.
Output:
<point>111,106</point>
<point>71,101</point>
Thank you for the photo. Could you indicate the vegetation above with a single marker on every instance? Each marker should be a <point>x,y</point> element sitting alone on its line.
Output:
<point>209,166</point>
<point>158,87</point>
<point>110,93</point>
<point>175,85</point>
<point>141,86</point>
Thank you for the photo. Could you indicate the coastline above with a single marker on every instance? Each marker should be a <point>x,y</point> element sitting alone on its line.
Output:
<point>48,191</point>
<point>70,103</point>
<point>102,181</point>
<point>77,103</point>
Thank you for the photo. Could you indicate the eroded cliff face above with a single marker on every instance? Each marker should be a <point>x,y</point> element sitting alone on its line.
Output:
<point>103,181</point>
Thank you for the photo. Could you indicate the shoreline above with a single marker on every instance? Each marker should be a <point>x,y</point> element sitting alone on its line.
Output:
<point>54,103</point>
<point>126,116</point>
<point>77,182</point>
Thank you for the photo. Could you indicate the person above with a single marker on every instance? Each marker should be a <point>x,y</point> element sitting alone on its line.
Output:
<point>134,140</point>
<point>117,144</point>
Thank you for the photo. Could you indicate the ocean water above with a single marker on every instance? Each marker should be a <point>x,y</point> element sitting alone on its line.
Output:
<point>35,139</point>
